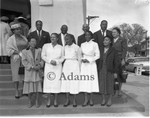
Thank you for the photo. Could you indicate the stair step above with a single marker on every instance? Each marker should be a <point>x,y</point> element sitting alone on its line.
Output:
<point>11,100</point>
<point>5,66</point>
<point>7,92</point>
<point>5,77</point>
<point>7,84</point>
<point>5,72</point>
<point>130,106</point>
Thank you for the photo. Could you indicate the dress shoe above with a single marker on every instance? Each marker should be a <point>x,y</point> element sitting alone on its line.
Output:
<point>103,104</point>
<point>48,105</point>
<point>17,97</point>
<point>84,105</point>
<point>56,105</point>
<point>108,105</point>
<point>68,103</point>
<point>75,105</point>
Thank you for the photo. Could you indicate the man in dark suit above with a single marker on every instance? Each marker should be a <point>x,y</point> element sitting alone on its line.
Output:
<point>99,37</point>
<point>100,34</point>
<point>40,35</point>
<point>61,37</point>
<point>81,38</point>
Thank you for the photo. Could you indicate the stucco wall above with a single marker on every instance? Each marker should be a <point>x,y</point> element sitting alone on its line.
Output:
<point>69,12</point>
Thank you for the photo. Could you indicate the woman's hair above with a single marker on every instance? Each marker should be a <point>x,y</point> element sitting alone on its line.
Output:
<point>55,34</point>
<point>111,39</point>
<point>29,39</point>
<point>90,33</point>
<point>70,36</point>
<point>117,29</point>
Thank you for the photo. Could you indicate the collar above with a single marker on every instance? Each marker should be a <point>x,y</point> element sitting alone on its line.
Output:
<point>115,39</point>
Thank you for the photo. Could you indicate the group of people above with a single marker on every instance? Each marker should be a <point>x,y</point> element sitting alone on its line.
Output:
<point>5,23</point>
<point>56,64</point>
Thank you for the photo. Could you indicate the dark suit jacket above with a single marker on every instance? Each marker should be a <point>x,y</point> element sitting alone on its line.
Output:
<point>81,39</point>
<point>121,46</point>
<point>98,37</point>
<point>111,60</point>
<point>44,38</point>
<point>59,39</point>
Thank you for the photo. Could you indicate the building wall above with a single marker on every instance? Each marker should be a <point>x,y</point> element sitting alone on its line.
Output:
<point>69,12</point>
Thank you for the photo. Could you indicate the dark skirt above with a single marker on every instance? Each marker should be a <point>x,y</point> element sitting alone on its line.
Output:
<point>106,81</point>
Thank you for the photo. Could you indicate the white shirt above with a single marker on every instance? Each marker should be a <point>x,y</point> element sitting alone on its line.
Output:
<point>104,32</point>
<point>52,53</point>
<point>38,32</point>
<point>72,52</point>
<point>63,39</point>
<point>90,51</point>
<point>116,39</point>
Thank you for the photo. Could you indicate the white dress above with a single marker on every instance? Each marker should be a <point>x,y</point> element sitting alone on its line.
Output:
<point>71,69</point>
<point>89,80</point>
<point>5,33</point>
<point>52,73</point>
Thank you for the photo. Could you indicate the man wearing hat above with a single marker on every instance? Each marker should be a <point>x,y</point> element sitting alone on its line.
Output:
<point>4,35</point>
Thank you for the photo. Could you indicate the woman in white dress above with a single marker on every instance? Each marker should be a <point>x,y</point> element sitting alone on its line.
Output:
<point>70,84</point>
<point>52,54</point>
<point>90,53</point>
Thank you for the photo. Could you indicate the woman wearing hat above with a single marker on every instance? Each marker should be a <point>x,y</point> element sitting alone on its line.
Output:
<point>15,44</point>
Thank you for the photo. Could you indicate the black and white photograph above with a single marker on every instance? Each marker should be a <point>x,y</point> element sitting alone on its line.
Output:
<point>74,58</point>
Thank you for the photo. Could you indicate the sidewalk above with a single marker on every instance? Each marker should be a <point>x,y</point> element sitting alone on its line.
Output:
<point>137,87</point>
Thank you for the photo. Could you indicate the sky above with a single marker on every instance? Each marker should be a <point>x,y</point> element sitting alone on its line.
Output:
<point>117,12</point>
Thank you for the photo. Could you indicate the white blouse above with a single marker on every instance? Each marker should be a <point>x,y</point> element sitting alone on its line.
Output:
<point>72,52</point>
<point>55,53</point>
<point>90,51</point>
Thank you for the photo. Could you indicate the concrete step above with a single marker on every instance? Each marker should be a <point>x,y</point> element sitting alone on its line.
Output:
<point>130,106</point>
<point>7,84</point>
<point>5,77</point>
<point>7,91</point>
<point>10,100</point>
<point>5,66</point>
<point>5,72</point>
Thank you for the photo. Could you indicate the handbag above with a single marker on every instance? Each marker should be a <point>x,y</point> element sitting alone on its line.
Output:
<point>116,85</point>
<point>124,75</point>
<point>41,73</point>
<point>21,69</point>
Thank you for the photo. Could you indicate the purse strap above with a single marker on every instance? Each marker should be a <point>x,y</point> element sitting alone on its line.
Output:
<point>21,65</point>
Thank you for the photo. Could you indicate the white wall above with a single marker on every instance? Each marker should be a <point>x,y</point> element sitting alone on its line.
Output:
<point>69,12</point>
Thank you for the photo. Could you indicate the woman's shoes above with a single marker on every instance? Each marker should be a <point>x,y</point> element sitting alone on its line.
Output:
<point>30,105</point>
<point>65,105</point>
<point>91,103</point>
<point>108,105</point>
<point>85,104</point>
<point>48,105</point>
<point>74,105</point>
<point>55,105</point>
<point>17,97</point>
<point>103,104</point>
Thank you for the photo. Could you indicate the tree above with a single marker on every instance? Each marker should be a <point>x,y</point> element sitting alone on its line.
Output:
<point>133,33</point>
